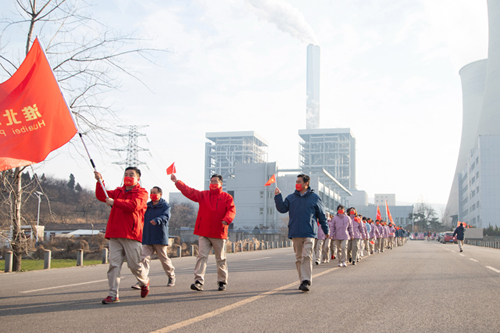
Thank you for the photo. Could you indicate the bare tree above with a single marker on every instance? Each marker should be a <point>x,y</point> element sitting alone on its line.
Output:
<point>425,218</point>
<point>87,61</point>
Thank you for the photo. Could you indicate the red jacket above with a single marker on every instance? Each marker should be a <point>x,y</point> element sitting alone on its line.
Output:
<point>215,207</point>
<point>126,218</point>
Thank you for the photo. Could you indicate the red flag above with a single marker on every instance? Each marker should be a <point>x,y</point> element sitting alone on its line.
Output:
<point>379,216</point>
<point>171,169</point>
<point>389,216</point>
<point>271,180</point>
<point>34,118</point>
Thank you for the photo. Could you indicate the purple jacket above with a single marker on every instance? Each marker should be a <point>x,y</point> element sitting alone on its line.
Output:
<point>342,227</point>
<point>381,231</point>
<point>357,229</point>
<point>374,233</point>
<point>365,230</point>
<point>321,233</point>
<point>392,231</point>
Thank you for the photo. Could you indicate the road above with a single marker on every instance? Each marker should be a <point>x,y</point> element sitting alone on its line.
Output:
<point>420,287</point>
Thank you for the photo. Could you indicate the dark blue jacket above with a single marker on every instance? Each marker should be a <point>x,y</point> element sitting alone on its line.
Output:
<point>459,231</point>
<point>303,211</point>
<point>156,234</point>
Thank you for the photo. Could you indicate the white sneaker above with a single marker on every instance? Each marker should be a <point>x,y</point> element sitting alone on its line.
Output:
<point>340,265</point>
<point>344,264</point>
<point>136,286</point>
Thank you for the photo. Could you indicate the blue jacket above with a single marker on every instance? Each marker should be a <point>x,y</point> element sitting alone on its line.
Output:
<point>459,231</point>
<point>303,213</point>
<point>156,234</point>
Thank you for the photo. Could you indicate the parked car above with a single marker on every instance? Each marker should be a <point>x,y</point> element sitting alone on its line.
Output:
<point>448,238</point>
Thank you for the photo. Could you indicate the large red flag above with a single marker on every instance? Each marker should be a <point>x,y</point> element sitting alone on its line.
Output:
<point>389,216</point>
<point>34,118</point>
<point>171,169</point>
<point>271,180</point>
<point>379,216</point>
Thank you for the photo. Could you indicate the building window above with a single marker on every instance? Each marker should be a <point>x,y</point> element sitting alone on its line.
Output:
<point>262,194</point>
<point>270,211</point>
<point>261,211</point>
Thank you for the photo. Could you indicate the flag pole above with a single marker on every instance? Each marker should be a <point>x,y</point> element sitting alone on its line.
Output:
<point>73,118</point>
<point>93,165</point>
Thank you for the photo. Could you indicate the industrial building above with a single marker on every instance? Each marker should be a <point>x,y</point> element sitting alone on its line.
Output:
<point>475,190</point>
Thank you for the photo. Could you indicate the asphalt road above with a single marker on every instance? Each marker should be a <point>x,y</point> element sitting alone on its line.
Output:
<point>420,287</point>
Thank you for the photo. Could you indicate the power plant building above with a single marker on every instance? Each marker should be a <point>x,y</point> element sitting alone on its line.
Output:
<point>475,190</point>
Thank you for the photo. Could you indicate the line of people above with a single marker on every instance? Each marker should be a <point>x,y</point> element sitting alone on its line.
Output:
<point>351,235</point>
<point>314,232</point>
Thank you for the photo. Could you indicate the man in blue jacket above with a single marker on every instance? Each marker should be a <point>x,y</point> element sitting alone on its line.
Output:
<point>155,234</point>
<point>460,231</point>
<point>304,209</point>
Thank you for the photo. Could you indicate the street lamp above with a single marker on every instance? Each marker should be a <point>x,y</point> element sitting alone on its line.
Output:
<point>39,196</point>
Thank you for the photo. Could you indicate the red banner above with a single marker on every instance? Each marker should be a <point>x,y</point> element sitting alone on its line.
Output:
<point>379,216</point>
<point>34,118</point>
<point>389,216</point>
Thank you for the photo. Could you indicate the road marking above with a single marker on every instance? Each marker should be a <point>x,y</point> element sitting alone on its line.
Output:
<point>474,260</point>
<point>64,286</point>
<point>493,269</point>
<point>232,306</point>
<point>259,259</point>
<point>463,255</point>
<point>290,254</point>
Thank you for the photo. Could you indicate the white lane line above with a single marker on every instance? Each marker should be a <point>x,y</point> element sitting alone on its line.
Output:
<point>64,286</point>
<point>463,255</point>
<point>233,306</point>
<point>259,259</point>
<point>474,260</point>
<point>493,269</point>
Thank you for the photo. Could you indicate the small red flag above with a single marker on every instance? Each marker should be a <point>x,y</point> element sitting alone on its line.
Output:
<point>271,180</point>
<point>372,242</point>
<point>171,169</point>
<point>34,118</point>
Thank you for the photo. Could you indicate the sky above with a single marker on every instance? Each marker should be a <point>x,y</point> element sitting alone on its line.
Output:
<point>389,71</point>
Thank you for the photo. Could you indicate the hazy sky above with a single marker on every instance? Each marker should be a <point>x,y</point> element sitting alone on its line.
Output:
<point>389,72</point>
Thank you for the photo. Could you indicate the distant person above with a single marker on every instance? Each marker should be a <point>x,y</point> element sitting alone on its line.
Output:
<point>341,233</point>
<point>124,230</point>
<point>460,232</point>
<point>305,210</point>
<point>216,211</point>
<point>155,235</point>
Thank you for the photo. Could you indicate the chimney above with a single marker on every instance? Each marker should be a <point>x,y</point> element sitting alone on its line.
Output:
<point>312,104</point>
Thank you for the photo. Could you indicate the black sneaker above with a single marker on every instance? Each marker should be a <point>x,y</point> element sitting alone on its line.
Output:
<point>304,286</point>
<point>197,286</point>
<point>222,286</point>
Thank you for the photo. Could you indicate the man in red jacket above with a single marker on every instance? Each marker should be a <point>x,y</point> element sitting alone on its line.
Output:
<point>124,230</point>
<point>216,211</point>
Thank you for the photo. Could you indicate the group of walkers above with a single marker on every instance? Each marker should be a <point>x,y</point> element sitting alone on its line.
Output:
<point>315,234</point>
<point>352,234</point>
<point>137,229</point>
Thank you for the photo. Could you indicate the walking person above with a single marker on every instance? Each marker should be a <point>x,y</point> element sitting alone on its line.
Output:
<point>305,210</point>
<point>124,230</point>
<point>319,245</point>
<point>326,246</point>
<point>155,235</point>
<point>460,232</point>
<point>373,236</point>
<point>216,211</point>
<point>357,235</point>
<point>341,233</point>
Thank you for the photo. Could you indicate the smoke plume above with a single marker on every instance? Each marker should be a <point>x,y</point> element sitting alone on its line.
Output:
<point>286,18</point>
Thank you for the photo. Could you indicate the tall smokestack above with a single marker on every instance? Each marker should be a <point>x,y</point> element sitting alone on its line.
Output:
<point>312,106</point>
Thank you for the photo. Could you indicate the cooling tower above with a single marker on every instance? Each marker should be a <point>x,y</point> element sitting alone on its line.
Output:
<point>481,101</point>
<point>473,77</point>
<point>312,104</point>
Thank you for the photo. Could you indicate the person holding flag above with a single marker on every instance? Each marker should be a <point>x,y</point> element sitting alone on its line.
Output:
<point>216,212</point>
<point>124,230</point>
<point>305,209</point>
